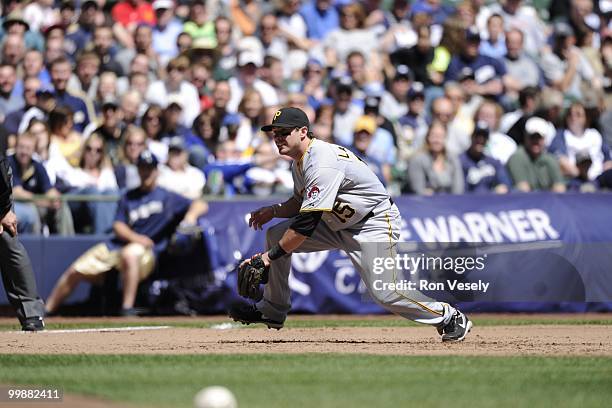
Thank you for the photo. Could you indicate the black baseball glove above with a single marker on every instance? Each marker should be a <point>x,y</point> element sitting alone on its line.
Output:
<point>250,276</point>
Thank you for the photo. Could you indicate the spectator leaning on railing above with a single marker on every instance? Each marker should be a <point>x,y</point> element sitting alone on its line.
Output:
<point>30,178</point>
<point>145,219</point>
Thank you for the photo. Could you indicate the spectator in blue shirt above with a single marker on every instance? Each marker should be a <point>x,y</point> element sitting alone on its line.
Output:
<point>320,17</point>
<point>30,178</point>
<point>478,74</point>
<point>166,31</point>
<point>15,24</point>
<point>61,70</point>
<point>13,119</point>
<point>80,34</point>
<point>439,12</point>
<point>483,173</point>
<point>146,217</point>
<point>494,45</point>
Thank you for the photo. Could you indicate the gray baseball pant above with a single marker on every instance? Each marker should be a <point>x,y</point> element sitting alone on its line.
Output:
<point>382,227</point>
<point>18,278</point>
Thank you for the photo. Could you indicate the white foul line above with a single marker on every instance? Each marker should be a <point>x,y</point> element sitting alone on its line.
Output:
<point>105,329</point>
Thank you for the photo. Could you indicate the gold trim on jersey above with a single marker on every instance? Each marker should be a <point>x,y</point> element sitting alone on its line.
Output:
<point>304,155</point>
<point>394,277</point>
<point>316,209</point>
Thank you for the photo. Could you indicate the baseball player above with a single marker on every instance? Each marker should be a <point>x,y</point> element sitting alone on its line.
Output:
<point>17,273</point>
<point>338,202</point>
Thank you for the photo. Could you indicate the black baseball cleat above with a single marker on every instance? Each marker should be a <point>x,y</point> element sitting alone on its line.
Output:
<point>458,327</point>
<point>128,312</point>
<point>248,313</point>
<point>32,324</point>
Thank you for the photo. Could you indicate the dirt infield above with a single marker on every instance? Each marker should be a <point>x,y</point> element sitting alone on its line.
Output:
<point>559,340</point>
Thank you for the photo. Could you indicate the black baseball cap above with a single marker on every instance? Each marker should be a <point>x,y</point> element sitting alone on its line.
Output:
<point>482,129</point>
<point>583,157</point>
<point>147,159</point>
<point>561,29</point>
<point>465,74</point>
<point>403,72</point>
<point>472,34</point>
<point>417,90</point>
<point>89,3</point>
<point>288,118</point>
<point>176,143</point>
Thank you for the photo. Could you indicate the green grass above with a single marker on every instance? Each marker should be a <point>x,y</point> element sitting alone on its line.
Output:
<point>324,380</point>
<point>315,323</point>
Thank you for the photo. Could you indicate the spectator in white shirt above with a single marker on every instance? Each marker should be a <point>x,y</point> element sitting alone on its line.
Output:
<point>177,175</point>
<point>94,176</point>
<point>576,139</point>
<point>249,62</point>
<point>499,146</point>
<point>166,30</point>
<point>176,87</point>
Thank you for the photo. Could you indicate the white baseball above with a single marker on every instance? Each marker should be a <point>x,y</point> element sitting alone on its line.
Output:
<point>215,397</point>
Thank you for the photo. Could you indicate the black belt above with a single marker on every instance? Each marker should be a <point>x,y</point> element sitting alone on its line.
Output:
<point>371,213</point>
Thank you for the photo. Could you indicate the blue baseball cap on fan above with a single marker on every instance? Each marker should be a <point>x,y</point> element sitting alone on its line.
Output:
<point>147,159</point>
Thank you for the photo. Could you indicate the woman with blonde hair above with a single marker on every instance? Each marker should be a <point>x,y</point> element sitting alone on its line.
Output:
<point>134,142</point>
<point>94,177</point>
<point>432,170</point>
<point>252,119</point>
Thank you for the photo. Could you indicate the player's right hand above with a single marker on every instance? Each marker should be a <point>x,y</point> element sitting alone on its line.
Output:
<point>260,216</point>
<point>9,223</point>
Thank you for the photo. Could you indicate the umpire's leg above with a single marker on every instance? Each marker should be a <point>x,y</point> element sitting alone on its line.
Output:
<point>18,278</point>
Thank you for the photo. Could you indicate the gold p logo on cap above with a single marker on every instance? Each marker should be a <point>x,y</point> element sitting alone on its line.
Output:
<point>276,115</point>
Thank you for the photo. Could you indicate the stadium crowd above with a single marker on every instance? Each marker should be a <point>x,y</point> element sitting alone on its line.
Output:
<point>438,97</point>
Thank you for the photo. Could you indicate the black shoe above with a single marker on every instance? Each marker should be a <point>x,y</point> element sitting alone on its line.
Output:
<point>32,324</point>
<point>248,313</point>
<point>458,327</point>
<point>129,312</point>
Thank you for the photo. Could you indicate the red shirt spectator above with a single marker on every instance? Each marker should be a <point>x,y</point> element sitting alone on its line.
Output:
<point>131,12</point>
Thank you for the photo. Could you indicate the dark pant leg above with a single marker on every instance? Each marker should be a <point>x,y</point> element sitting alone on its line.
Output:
<point>18,278</point>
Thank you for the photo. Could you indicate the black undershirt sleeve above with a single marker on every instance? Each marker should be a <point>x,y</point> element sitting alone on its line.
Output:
<point>305,223</point>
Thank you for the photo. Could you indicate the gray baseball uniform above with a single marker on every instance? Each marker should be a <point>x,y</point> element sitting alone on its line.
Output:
<point>356,210</point>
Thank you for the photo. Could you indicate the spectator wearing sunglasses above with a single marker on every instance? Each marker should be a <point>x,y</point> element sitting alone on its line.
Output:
<point>94,176</point>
